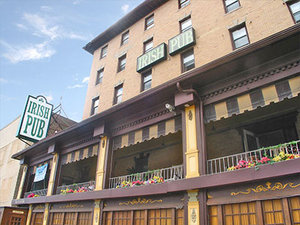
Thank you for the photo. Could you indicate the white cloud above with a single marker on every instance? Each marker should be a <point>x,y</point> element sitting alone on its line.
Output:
<point>17,54</point>
<point>125,8</point>
<point>75,86</point>
<point>3,81</point>
<point>41,26</point>
<point>46,8</point>
<point>21,26</point>
<point>48,97</point>
<point>85,80</point>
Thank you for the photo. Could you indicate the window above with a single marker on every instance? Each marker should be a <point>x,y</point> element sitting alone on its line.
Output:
<point>99,76</point>
<point>146,80</point>
<point>188,60</point>
<point>122,63</point>
<point>182,3</point>
<point>295,10</point>
<point>103,52</point>
<point>148,45</point>
<point>239,37</point>
<point>95,104</point>
<point>125,38</point>
<point>185,24</point>
<point>149,22</point>
<point>118,94</point>
<point>231,5</point>
<point>241,213</point>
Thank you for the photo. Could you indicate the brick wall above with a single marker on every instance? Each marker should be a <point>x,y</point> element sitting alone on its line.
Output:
<point>211,23</point>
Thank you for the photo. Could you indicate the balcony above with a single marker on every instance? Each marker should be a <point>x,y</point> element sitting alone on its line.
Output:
<point>147,178</point>
<point>76,188</point>
<point>268,155</point>
<point>36,193</point>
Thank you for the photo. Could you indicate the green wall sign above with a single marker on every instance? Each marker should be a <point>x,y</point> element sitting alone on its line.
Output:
<point>36,119</point>
<point>152,57</point>
<point>182,41</point>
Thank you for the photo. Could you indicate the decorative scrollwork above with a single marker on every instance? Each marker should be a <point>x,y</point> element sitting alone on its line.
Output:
<point>261,188</point>
<point>141,201</point>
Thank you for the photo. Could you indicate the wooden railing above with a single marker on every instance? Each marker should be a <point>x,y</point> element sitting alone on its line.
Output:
<point>165,174</point>
<point>252,158</point>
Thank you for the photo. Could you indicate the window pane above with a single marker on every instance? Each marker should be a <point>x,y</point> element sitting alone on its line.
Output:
<point>239,33</point>
<point>125,38</point>
<point>186,24</point>
<point>241,42</point>
<point>295,7</point>
<point>148,46</point>
<point>188,61</point>
<point>183,3</point>
<point>103,51</point>
<point>149,22</point>
<point>297,17</point>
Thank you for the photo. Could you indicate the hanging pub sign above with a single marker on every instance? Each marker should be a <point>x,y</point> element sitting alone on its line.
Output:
<point>182,41</point>
<point>40,173</point>
<point>152,57</point>
<point>36,119</point>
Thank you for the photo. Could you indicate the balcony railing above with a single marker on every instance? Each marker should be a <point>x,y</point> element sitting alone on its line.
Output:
<point>248,159</point>
<point>37,193</point>
<point>75,188</point>
<point>165,174</point>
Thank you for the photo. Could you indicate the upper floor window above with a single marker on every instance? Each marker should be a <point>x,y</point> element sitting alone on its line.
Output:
<point>146,80</point>
<point>185,24</point>
<point>103,52</point>
<point>149,22</point>
<point>95,104</point>
<point>239,36</point>
<point>148,45</point>
<point>118,94</point>
<point>188,60</point>
<point>295,10</point>
<point>182,3</point>
<point>231,5</point>
<point>122,63</point>
<point>99,76</point>
<point>125,38</point>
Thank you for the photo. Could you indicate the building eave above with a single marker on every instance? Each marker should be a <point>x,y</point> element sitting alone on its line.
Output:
<point>124,23</point>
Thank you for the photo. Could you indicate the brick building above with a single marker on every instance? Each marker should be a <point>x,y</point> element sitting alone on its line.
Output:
<point>191,117</point>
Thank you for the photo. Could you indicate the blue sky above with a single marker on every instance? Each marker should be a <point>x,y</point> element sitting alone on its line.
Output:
<point>41,50</point>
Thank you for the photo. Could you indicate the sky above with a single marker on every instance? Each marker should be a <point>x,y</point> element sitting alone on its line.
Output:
<point>41,50</point>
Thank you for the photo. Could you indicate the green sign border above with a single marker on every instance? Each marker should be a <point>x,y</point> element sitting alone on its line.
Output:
<point>183,47</point>
<point>18,135</point>
<point>155,62</point>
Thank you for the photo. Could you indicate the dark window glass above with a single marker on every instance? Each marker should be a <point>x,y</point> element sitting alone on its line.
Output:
<point>188,60</point>
<point>146,80</point>
<point>186,24</point>
<point>95,104</point>
<point>125,38</point>
<point>231,5</point>
<point>239,37</point>
<point>148,45</point>
<point>103,52</point>
<point>118,94</point>
<point>149,22</point>
<point>122,63</point>
<point>99,76</point>
<point>183,3</point>
<point>295,10</point>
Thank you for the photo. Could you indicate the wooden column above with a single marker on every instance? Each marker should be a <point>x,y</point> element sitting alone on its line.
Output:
<point>53,174</point>
<point>29,215</point>
<point>192,152</point>
<point>193,208</point>
<point>97,211</point>
<point>23,177</point>
<point>101,164</point>
<point>46,214</point>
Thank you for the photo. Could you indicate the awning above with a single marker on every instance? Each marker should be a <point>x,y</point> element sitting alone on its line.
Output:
<point>147,133</point>
<point>80,154</point>
<point>250,101</point>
